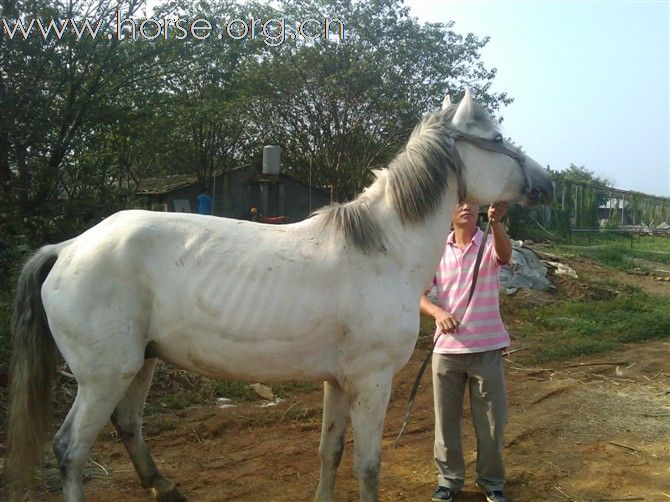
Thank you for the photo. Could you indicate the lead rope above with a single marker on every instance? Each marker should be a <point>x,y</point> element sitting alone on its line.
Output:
<point>417,382</point>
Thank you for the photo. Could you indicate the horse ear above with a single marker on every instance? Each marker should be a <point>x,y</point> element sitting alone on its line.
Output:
<point>447,102</point>
<point>464,110</point>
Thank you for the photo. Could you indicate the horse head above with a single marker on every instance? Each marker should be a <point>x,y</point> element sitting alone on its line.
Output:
<point>494,168</point>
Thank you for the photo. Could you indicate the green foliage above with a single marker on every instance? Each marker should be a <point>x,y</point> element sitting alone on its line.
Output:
<point>65,96</point>
<point>5,337</point>
<point>579,193</point>
<point>8,280</point>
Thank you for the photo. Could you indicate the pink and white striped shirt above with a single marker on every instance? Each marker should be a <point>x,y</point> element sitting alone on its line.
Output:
<point>482,328</point>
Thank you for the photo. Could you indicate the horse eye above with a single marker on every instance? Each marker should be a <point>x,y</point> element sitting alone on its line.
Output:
<point>498,138</point>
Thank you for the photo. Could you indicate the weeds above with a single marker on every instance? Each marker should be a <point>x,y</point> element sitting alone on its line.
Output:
<point>175,389</point>
<point>160,423</point>
<point>623,256</point>
<point>572,328</point>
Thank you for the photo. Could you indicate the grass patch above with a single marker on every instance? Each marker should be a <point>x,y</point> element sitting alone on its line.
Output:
<point>575,328</point>
<point>620,255</point>
<point>156,425</point>
<point>293,414</point>
<point>286,389</point>
<point>175,389</point>
<point>647,242</point>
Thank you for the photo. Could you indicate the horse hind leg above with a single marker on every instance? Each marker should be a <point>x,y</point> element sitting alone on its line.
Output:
<point>335,419</point>
<point>127,419</point>
<point>92,407</point>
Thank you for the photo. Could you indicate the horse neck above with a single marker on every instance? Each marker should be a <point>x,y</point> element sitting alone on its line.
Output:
<point>416,247</point>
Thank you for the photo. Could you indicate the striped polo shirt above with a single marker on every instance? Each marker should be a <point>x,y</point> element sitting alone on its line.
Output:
<point>482,328</point>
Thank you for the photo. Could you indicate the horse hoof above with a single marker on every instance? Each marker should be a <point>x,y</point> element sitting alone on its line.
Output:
<point>173,495</point>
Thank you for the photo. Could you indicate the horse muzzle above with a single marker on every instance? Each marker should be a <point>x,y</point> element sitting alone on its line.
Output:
<point>541,188</point>
<point>537,196</point>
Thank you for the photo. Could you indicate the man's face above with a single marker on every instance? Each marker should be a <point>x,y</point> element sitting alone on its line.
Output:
<point>465,215</point>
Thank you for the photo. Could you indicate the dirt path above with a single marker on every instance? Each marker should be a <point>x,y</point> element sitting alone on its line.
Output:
<point>575,433</point>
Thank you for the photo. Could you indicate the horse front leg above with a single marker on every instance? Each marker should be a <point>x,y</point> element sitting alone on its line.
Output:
<point>335,419</point>
<point>368,408</point>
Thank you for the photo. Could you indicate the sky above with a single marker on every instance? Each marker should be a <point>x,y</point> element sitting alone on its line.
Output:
<point>589,80</point>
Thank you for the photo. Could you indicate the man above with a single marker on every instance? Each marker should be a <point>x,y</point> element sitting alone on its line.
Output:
<point>204,202</point>
<point>468,351</point>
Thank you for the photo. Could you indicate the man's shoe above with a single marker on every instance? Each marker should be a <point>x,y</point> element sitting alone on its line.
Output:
<point>443,494</point>
<point>496,496</point>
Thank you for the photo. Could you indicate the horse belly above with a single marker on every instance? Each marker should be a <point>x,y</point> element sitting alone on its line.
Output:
<point>272,357</point>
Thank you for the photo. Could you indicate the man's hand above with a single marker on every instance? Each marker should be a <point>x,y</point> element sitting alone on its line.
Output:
<point>446,322</point>
<point>443,319</point>
<point>497,211</point>
<point>501,242</point>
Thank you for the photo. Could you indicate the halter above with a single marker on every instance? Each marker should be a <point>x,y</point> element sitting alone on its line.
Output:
<point>486,144</point>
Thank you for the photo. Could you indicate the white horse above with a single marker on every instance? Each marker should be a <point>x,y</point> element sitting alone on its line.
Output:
<point>333,298</point>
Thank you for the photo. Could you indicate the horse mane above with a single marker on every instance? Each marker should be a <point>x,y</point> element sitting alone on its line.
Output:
<point>356,221</point>
<point>417,180</point>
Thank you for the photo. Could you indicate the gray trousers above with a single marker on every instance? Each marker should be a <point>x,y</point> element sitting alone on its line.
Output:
<point>483,373</point>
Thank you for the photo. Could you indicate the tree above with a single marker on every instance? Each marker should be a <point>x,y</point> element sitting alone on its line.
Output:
<point>56,94</point>
<point>340,108</point>
<point>581,193</point>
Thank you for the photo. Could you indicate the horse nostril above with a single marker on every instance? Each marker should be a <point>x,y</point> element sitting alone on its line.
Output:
<point>543,195</point>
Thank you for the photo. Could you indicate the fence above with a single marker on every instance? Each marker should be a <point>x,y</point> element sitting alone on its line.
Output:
<point>598,235</point>
<point>588,205</point>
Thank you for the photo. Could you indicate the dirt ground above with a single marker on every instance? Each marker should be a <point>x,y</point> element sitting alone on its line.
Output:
<point>594,428</point>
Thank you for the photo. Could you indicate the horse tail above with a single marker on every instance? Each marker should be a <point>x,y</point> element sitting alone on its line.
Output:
<point>32,369</point>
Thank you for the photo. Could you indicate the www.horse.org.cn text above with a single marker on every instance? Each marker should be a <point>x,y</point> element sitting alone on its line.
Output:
<point>272,32</point>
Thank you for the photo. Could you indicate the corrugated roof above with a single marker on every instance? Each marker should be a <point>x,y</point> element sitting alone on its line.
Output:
<point>158,186</point>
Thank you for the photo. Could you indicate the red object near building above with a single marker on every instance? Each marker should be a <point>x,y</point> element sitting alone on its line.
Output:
<point>273,220</point>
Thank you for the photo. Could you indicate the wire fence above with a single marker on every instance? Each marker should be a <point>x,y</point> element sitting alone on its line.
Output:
<point>592,236</point>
